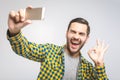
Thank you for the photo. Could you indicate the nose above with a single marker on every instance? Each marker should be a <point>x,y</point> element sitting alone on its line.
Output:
<point>76,36</point>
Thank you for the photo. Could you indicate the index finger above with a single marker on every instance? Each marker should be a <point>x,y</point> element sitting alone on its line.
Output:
<point>22,14</point>
<point>12,14</point>
<point>98,42</point>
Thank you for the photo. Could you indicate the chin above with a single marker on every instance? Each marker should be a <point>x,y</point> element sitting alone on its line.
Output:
<point>74,51</point>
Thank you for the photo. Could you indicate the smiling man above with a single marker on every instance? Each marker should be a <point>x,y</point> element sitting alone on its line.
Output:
<point>59,62</point>
<point>76,36</point>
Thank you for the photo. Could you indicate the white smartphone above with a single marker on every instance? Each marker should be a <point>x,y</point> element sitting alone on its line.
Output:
<point>35,13</point>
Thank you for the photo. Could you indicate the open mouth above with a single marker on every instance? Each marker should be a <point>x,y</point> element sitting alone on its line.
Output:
<point>75,44</point>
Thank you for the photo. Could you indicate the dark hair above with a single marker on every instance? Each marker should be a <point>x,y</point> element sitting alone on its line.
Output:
<point>82,21</point>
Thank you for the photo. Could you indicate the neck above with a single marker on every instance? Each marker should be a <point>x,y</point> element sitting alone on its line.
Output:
<point>74,55</point>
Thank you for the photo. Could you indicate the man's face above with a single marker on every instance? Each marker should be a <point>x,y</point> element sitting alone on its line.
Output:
<point>76,37</point>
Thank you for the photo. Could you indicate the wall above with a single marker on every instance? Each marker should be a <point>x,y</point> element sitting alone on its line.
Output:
<point>103,16</point>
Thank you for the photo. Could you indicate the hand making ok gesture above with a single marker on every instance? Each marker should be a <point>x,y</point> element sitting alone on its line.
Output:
<point>97,53</point>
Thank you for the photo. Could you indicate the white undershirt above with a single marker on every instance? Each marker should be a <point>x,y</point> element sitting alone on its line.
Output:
<point>71,65</point>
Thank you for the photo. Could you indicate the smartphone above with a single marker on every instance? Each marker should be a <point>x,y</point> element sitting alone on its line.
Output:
<point>35,13</point>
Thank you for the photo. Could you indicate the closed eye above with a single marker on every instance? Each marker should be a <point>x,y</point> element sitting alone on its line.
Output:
<point>72,31</point>
<point>82,34</point>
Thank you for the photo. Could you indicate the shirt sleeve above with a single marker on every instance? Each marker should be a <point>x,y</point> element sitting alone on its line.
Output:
<point>23,47</point>
<point>100,73</point>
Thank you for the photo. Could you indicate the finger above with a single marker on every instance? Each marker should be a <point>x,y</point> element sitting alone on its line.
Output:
<point>98,42</point>
<point>91,51</point>
<point>105,49</point>
<point>27,22</point>
<point>102,45</point>
<point>29,7</point>
<point>12,14</point>
<point>17,17</point>
<point>22,14</point>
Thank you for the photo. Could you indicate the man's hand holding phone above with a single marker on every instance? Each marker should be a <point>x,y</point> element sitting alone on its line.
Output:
<point>19,19</point>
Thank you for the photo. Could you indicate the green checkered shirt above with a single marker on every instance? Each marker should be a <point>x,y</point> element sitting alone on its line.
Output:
<point>52,60</point>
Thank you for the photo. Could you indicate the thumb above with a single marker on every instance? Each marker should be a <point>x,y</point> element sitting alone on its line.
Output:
<point>27,22</point>
<point>90,52</point>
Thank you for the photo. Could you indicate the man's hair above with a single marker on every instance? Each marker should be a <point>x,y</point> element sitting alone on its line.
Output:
<point>82,21</point>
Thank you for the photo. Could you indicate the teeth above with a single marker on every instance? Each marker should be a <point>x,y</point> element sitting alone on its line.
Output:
<point>75,42</point>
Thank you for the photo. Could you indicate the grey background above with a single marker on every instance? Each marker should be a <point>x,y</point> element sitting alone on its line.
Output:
<point>104,19</point>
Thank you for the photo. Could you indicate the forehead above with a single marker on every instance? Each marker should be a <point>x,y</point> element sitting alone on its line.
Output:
<point>78,27</point>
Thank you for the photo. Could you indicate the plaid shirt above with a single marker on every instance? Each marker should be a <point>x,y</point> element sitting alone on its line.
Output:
<point>52,60</point>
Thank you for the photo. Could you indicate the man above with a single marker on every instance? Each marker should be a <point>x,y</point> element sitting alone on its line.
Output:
<point>59,62</point>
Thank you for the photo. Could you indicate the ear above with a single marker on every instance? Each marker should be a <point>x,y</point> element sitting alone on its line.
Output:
<point>66,33</point>
<point>87,39</point>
